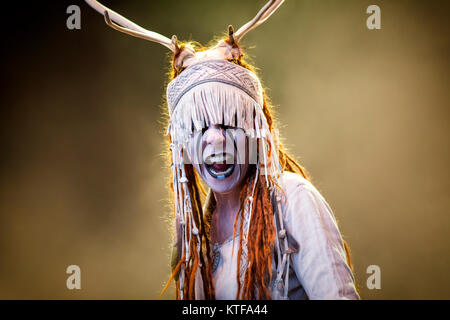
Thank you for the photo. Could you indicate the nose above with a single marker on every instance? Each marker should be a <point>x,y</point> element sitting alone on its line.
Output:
<point>214,135</point>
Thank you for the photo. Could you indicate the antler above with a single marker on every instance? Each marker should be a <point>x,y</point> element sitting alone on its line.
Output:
<point>124,25</point>
<point>185,56</point>
<point>262,16</point>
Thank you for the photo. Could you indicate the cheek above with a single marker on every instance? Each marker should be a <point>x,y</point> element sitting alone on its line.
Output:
<point>241,148</point>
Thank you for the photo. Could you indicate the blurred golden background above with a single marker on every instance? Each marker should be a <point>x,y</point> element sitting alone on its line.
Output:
<point>83,179</point>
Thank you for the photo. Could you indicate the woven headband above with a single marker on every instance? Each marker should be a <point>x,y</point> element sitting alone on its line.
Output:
<point>220,71</point>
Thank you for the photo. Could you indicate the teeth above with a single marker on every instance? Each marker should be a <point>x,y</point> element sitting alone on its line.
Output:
<point>220,158</point>
<point>221,173</point>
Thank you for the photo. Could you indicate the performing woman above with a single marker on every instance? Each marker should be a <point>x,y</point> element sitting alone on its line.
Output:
<point>263,231</point>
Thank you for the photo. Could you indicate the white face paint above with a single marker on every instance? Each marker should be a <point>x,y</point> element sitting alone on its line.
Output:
<point>220,156</point>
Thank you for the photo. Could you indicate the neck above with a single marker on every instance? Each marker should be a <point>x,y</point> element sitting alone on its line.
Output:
<point>227,204</point>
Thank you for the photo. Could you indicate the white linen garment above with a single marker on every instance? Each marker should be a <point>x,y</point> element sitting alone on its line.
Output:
<point>319,269</point>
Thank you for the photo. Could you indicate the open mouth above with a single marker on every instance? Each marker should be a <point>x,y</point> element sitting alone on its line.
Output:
<point>220,166</point>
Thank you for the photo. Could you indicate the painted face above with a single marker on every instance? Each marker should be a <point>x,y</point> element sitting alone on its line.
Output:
<point>220,156</point>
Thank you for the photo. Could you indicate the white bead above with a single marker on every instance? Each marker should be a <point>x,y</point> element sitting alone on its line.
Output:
<point>183,179</point>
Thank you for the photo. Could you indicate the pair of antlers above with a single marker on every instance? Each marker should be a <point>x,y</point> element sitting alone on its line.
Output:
<point>120,23</point>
